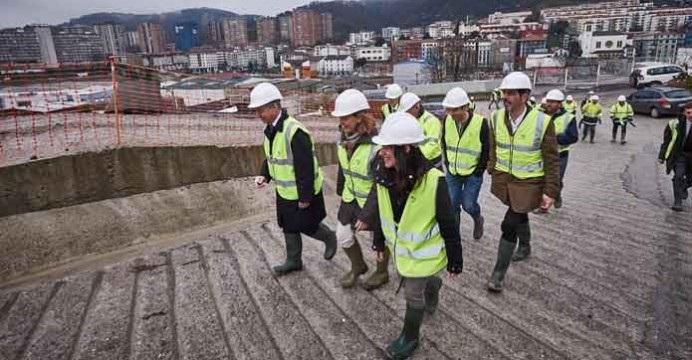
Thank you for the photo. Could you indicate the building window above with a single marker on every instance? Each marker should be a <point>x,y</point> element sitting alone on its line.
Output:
<point>598,44</point>
<point>620,43</point>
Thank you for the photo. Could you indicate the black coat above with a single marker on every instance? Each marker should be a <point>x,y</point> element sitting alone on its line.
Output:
<point>677,147</point>
<point>289,216</point>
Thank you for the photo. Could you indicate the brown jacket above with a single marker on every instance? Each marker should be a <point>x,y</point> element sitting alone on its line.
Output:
<point>526,195</point>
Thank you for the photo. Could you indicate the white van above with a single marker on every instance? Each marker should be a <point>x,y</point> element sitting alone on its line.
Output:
<point>654,74</point>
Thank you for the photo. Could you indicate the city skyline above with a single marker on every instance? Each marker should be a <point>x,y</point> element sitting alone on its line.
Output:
<point>17,13</point>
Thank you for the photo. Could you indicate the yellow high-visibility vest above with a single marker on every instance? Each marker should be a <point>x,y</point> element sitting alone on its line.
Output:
<point>673,125</point>
<point>356,171</point>
<point>415,241</point>
<point>432,129</point>
<point>463,152</point>
<point>520,154</point>
<point>561,123</point>
<point>621,112</point>
<point>280,160</point>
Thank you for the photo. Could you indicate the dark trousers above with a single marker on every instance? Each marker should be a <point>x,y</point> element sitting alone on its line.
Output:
<point>564,157</point>
<point>589,129</point>
<point>616,125</point>
<point>682,178</point>
<point>511,222</point>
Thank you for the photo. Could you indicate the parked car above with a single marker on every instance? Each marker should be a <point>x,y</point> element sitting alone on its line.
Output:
<point>657,101</point>
<point>653,74</point>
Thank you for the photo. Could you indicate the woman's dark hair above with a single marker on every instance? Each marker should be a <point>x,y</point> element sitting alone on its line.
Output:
<point>409,168</point>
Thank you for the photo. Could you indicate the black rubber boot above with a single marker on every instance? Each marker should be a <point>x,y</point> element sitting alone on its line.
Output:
<point>524,236</point>
<point>407,342</point>
<point>478,223</point>
<point>358,266</point>
<point>381,274</point>
<point>432,294</point>
<point>294,250</point>
<point>504,259</point>
<point>328,237</point>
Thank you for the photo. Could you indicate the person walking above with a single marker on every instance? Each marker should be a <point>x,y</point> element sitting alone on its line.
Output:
<point>587,98</point>
<point>415,220</point>
<point>591,116</point>
<point>524,166</point>
<point>565,130</point>
<point>676,153</point>
<point>431,125</point>
<point>292,165</point>
<point>570,106</point>
<point>495,98</point>
<point>621,113</point>
<point>465,143</point>
<point>354,181</point>
<point>393,95</point>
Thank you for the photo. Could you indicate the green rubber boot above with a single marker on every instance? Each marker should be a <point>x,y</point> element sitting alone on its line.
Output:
<point>504,259</point>
<point>381,274</point>
<point>358,266</point>
<point>407,342</point>
<point>294,250</point>
<point>524,236</point>
<point>432,294</point>
<point>328,237</point>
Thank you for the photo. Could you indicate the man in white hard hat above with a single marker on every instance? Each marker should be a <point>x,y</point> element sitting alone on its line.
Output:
<point>414,219</point>
<point>569,105</point>
<point>532,101</point>
<point>292,165</point>
<point>544,102</point>
<point>566,130</point>
<point>465,144</point>
<point>431,125</point>
<point>591,116</point>
<point>393,95</point>
<point>621,113</point>
<point>495,98</point>
<point>587,98</point>
<point>525,169</point>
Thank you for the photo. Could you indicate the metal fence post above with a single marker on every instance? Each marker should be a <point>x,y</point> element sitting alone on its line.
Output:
<point>115,101</point>
<point>598,74</point>
<point>566,76</point>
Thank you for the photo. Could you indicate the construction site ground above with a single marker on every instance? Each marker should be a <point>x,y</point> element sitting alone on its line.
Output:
<point>610,277</point>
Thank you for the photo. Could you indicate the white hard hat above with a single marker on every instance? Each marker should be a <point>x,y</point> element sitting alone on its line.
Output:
<point>533,98</point>
<point>455,98</point>
<point>263,94</point>
<point>622,98</point>
<point>591,92</point>
<point>393,92</point>
<point>400,128</point>
<point>570,98</point>
<point>516,81</point>
<point>555,95</point>
<point>350,102</point>
<point>594,98</point>
<point>544,101</point>
<point>407,101</point>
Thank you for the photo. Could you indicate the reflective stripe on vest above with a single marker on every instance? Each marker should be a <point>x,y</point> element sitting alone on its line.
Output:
<point>416,241</point>
<point>620,113</point>
<point>430,147</point>
<point>463,152</point>
<point>357,182</point>
<point>673,125</point>
<point>561,123</point>
<point>280,160</point>
<point>592,110</point>
<point>520,154</point>
<point>570,107</point>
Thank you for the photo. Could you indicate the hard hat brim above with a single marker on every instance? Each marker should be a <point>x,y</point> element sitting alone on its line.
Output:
<point>384,141</point>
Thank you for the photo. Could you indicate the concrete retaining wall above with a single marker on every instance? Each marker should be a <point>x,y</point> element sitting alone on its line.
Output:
<point>82,178</point>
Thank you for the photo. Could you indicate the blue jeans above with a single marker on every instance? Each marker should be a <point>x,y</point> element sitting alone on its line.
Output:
<point>563,166</point>
<point>463,191</point>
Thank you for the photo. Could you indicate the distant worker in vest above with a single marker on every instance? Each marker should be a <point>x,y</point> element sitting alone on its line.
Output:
<point>431,125</point>
<point>544,102</point>
<point>566,130</point>
<point>292,165</point>
<point>570,106</point>
<point>591,116</point>
<point>393,95</point>
<point>525,170</point>
<point>472,104</point>
<point>495,98</point>
<point>676,153</point>
<point>465,144</point>
<point>621,113</point>
<point>587,98</point>
<point>532,101</point>
<point>415,221</point>
<point>356,152</point>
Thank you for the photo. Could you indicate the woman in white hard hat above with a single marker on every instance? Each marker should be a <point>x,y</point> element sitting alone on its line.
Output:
<point>621,113</point>
<point>415,220</point>
<point>292,165</point>
<point>393,94</point>
<point>356,152</point>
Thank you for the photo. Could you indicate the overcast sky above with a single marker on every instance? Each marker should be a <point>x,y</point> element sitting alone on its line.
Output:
<point>22,12</point>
